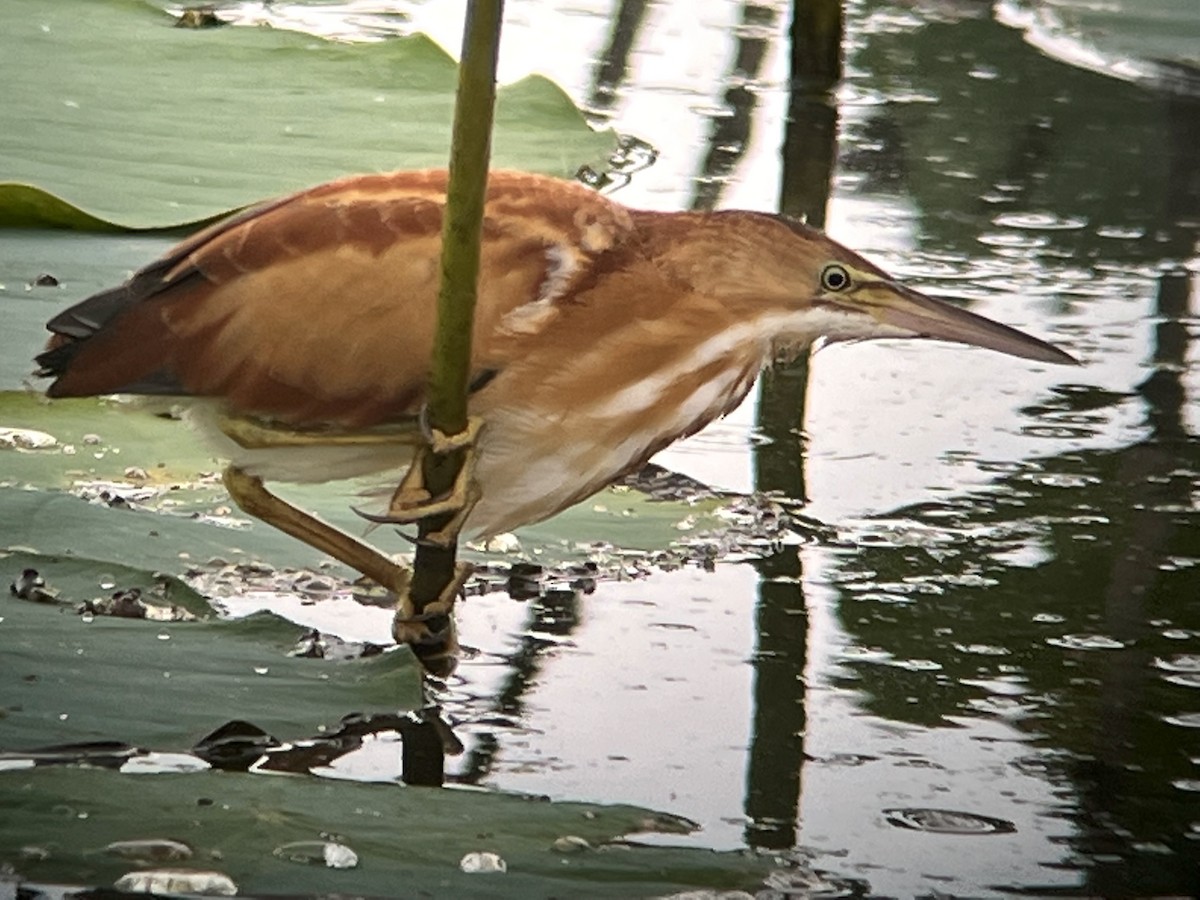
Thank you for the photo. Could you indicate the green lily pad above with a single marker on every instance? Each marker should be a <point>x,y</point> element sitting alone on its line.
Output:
<point>44,271</point>
<point>26,206</point>
<point>409,842</point>
<point>121,120</point>
<point>164,685</point>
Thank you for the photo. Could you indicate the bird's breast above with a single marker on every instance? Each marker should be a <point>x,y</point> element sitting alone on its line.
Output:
<point>539,456</point>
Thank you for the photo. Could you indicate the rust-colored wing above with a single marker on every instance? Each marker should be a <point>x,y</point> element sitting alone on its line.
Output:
<point>318,309</point>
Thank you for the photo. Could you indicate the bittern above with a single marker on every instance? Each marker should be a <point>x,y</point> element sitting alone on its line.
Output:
<point>300,333</point>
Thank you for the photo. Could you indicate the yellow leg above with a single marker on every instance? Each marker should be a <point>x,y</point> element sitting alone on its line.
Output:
<point>431,633</point>
<point>249,493</point>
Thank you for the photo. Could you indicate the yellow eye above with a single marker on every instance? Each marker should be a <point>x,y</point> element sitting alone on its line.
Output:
<point>834,277</point>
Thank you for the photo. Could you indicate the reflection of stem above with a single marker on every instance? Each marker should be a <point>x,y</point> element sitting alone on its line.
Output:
<point>1163,391</point>
<point>810,144</point>
<point>773,776</point>
<point>614,60</point>
<point>1146,469</point>
<point>1125,679</point>
<point>809,158</point>
<point>779,457</point>
<point>729,134</point>
<point>816,35</point>
<point>1182,201</point>
<point>777,740</point>
<point>554,612</point>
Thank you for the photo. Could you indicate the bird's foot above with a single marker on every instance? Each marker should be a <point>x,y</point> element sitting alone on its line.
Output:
<point>441,444</point>
<point>431,632</point>
<point>412,501</point>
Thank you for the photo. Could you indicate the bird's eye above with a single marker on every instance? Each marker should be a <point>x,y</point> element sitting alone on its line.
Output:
<point>834,277</point>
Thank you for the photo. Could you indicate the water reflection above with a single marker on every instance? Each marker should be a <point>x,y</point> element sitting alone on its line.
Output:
<point>1080,618</point>
<point>1006,645</point>
<point>613,62</point>
<point>1105,569</point>
<point>1032,137</point>
<point>1014,639</point>
<point>553,616</point>
<point>730,126</point>
<point>776,753</point>
<point>1009,642</point>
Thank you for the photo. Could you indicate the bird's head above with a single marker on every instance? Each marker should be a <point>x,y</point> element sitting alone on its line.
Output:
<point>807,286</point>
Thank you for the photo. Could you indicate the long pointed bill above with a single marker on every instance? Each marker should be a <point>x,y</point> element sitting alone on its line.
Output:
<point>925,317</point>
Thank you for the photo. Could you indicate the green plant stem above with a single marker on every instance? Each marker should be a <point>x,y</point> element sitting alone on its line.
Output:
<point>470,152</point>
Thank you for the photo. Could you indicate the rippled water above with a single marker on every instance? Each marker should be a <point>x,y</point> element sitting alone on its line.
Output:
<point>983,680</point>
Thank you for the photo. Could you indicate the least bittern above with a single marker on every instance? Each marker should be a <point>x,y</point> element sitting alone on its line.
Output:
<point>301,331</point>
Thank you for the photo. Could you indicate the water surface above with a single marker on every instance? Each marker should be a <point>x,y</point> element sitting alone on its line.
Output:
<point>983,679</point>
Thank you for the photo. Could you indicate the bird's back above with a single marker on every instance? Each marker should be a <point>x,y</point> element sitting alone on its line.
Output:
<point>318,309</point>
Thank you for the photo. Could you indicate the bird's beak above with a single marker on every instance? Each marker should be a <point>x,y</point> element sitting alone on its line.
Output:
<point>897,306</point>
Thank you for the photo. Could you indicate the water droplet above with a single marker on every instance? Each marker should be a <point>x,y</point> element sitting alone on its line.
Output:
<point>1011,240</point>
<point>570,843</point>
<point>864,654</point>
<point>164,636</point>
<point>330,854</point>
<point>1180,662</point>
<point>107,582</point>
<point>1187,679</point>
<point>87,617</point>
<point>1184,720</point>
<point>1085,642</point>
<point>339,856</point>
<point>261,670</point>
<point>981,649</point>
<point>482,863</point>
<point>1038,221</point>
<point>1178,563</point>
<point>177,881</point>
<point>945,821</point>
<point>917,665</point>
<point>1118,233</point>
<point>1048,619</point>
<point>150,850</point>
<point>849,759</point>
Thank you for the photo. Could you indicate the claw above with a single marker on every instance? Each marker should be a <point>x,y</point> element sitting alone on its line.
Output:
<point>431,633</point>
<point>412,501</point>
<point>442,444</point>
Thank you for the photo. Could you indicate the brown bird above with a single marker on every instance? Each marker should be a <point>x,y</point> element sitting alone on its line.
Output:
<point>300,332</point>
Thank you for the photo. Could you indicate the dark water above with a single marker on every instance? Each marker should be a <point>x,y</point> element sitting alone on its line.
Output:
<point>983,676</point>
